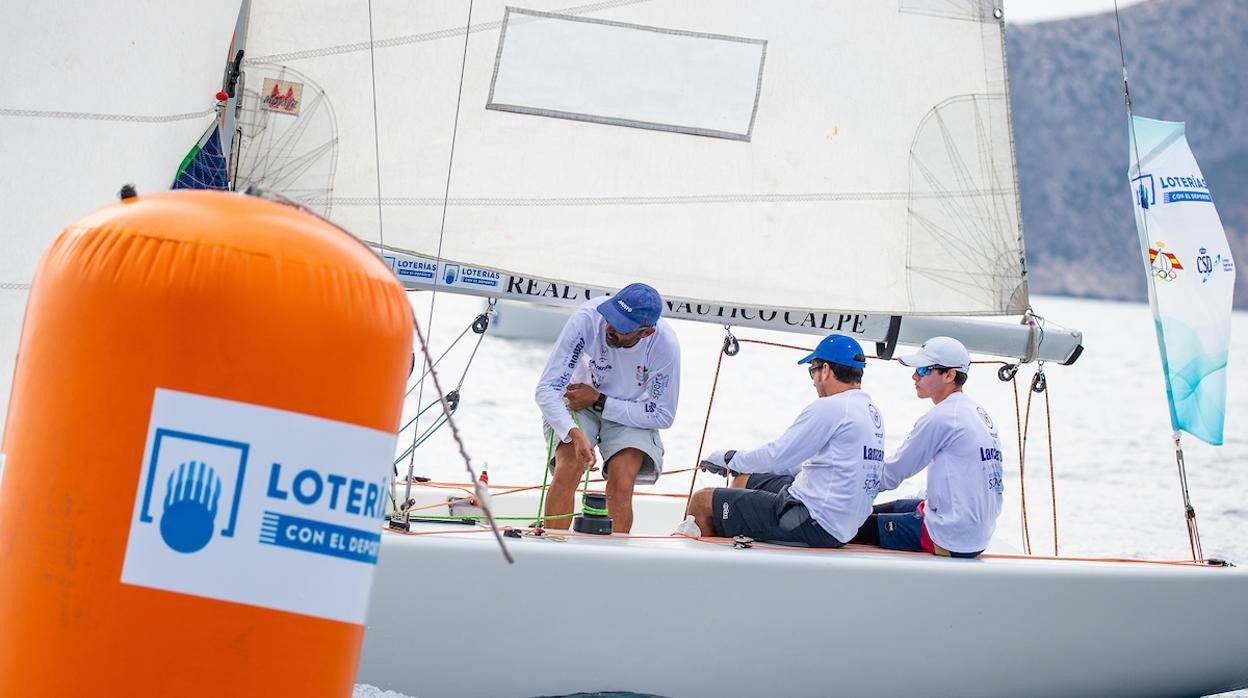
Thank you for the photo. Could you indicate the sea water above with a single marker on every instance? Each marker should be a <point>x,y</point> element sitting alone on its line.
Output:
<point>1115,485</point>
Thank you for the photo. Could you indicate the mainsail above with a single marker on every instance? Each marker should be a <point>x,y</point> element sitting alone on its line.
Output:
<point>90,99</point>
<point>740,153</point>
<point>1191,274</point>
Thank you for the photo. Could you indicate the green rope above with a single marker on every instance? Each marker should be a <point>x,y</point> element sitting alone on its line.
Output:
<point>541,500</point>
<point>550,450</point>
<point>463,517</point>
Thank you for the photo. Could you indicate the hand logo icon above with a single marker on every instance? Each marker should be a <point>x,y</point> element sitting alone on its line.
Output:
<point>191,497</point>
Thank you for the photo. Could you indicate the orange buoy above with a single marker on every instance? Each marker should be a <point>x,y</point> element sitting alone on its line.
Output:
<point>197,449</point>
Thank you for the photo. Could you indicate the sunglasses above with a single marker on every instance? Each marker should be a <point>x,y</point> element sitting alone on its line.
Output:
<point>815,367</point>
<point>925,371</point>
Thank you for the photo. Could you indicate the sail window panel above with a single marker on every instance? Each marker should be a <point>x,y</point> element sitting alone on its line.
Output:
<point>627,75</point>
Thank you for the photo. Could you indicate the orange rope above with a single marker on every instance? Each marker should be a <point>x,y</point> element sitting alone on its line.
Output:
<point>1022,481</point>
<point>1048,426</point>
<point>719,362</point>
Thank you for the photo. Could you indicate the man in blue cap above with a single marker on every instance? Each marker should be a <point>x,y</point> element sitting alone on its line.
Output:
<point>815,483</point>
<point>611,382</point>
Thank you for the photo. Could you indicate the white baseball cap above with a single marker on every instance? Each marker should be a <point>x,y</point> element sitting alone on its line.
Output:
<point>940,351</point>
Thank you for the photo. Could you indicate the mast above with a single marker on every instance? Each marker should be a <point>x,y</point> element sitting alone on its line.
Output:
<point>232,85</point>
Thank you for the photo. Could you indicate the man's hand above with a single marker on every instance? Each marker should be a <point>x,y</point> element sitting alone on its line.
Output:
<point>583,448</point>
<point>717,463</point>
<point>580,396</point>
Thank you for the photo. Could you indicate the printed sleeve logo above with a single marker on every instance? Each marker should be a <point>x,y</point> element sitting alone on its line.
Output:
<point>983,415</point>
<point>196,470</point>
<point>659,385</point>
<point>871,483</point>
<point>991,459</point>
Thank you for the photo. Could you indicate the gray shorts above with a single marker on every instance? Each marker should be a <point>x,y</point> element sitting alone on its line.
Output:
<point>613,437</point>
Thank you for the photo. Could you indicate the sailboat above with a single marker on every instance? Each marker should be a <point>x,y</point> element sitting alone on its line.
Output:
<point>812,167</point>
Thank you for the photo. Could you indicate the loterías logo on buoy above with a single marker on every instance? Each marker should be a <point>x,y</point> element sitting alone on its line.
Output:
<point>249,504</point>
<point>188,502</point>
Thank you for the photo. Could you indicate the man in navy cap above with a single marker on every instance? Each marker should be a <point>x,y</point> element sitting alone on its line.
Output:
<point>814,484</point>
<point>611,382</point>
<point>957,442</point>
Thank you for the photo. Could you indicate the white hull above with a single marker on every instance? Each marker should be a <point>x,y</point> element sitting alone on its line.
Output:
<point>679,617</point>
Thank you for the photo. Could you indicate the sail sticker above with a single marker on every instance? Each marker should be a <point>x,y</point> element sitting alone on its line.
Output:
<point>585,69</point>
<point>452,274</point>
<point>413,268</point>
<point>1145,190</point>
<point>281,96</point>
<point>1165,265</point>
<point>260,506</point>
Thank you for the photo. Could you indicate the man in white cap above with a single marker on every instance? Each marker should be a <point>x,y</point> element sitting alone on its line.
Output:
<point>815,483</point>
<point>957,442</point>
<point>611,382</point>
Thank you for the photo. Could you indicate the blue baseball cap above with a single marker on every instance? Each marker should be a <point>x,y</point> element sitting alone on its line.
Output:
<point>633,306</point>
<point>838,349</point>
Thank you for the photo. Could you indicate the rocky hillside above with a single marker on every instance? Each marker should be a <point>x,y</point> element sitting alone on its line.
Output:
<point>1187,61</point>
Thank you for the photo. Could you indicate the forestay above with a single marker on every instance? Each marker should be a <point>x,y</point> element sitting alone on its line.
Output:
<point>848,156</point>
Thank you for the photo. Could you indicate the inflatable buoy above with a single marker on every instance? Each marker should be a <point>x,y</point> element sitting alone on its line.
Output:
<point>196,453</point>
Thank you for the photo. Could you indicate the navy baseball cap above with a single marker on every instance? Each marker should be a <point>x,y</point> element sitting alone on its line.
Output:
<point>632,307</point>
<point>838,349</point>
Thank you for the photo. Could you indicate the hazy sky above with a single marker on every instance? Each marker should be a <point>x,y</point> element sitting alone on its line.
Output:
<point>1022,11</point>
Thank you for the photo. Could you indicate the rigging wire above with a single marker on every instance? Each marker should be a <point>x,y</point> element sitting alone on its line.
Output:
<point>433,298</point>
<point>719,362</point>
<point>372,74</point>
<point>481,490</point>
<point>1189,512</point>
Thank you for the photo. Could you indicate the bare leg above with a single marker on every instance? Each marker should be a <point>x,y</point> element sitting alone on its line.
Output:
<point>622,472</point>
<point>740,480</point>
<point>700,510</point>
<point>562,492</point>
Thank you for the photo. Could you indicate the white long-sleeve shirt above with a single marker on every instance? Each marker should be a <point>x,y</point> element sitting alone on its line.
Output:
<point>834,449</point>
<point>958,444</point>
<point>641,382</point>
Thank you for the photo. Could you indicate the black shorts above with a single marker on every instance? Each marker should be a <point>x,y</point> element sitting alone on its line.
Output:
<point>765,511</point>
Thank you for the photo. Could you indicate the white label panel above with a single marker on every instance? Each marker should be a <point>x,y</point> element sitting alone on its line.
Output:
<point>626,74</point>
<point>258,506</point>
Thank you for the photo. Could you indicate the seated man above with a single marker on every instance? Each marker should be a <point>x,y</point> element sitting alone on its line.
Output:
<point>815,483</point>
<point>957,442</point>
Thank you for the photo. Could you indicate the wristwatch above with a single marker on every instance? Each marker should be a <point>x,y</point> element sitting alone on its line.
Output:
<point>600,404</point>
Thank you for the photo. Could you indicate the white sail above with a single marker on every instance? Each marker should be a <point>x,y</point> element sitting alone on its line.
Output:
<point>83,110</point>
<point>1191,274</point>
<point>741,153</point>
